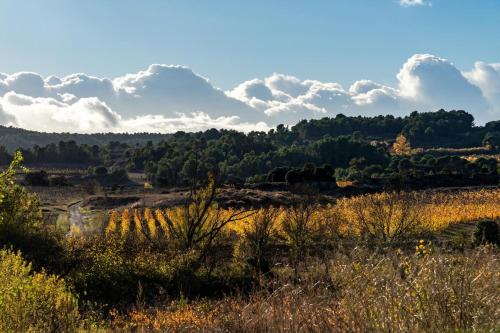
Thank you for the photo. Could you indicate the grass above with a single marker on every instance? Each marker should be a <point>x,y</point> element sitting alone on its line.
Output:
<point>364,292</point>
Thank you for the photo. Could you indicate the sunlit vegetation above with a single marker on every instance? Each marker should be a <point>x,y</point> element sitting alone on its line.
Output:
<point>366,263</point>
<point>401,146</point>
<point>34,302</point>
<point>372,293</point>
<point>383,216</point>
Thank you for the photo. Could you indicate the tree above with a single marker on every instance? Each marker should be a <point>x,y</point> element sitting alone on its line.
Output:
<point>20,210</point>
<point>101,171</point>
<point>388,216</point>
<point>199,222</point>
<point>401,146</point>
<point>298,229</point>
<point>492,139</point>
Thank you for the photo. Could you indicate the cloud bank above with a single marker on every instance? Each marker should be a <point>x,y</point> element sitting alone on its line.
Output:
<point>165,98</point>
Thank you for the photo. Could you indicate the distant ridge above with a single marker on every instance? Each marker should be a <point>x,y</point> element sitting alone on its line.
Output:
<point>13,138</point>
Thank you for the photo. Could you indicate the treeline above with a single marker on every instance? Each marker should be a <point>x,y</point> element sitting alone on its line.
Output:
<point>356,148</point>
<point>238,157</point>
<point>442,128</point>
<point>13,138</point>
<point>429,129</point>
<point>71,154</point>
<point>351,148</point>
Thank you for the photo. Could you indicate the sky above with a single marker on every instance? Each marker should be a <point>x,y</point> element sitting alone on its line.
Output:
<point>162,65</point>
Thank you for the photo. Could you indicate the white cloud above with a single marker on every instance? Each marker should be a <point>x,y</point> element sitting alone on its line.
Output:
<point>90,115</point>
<point>410,3</point>
<point>168,98</point>
<point>48,114</point>
<point>168,90</point>
<point>487,77</point>
<point>431,82</point>
<point>197,121</point>
<point>286,84</point>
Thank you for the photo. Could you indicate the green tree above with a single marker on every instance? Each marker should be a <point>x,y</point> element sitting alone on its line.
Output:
<point>19,210</point>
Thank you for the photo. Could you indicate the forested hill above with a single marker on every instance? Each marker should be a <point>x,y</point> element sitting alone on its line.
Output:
<point>13,138</point>
<point>431,129</point>
<point>354,148</point>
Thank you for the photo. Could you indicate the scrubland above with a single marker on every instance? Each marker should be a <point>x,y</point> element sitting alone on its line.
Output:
<point>386,262</point>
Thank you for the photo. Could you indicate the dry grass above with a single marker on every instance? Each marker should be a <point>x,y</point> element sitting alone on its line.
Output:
<point>365,293</point>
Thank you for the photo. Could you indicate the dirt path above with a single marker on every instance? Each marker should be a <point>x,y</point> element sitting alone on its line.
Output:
<point>76,219</point>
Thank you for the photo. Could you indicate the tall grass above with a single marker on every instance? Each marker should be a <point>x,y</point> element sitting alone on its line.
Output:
<point>366,293</point>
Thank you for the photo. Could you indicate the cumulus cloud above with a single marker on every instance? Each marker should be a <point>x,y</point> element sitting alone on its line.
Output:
<point>48,114</point>
<point>432,82</point>
<point>411,3</point>
<point>197,121</point>
<point>171,89</point>
<point>90,115</point>
<point>487,78</point>
<point>425,82</point>
<point>160,89</point>
<point>166,98</point>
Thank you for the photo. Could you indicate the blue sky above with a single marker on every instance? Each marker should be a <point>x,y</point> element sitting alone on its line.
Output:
<point>163,66</point>
<point>232,41</point>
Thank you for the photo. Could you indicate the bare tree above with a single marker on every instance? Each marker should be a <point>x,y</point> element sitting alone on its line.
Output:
<point>197,223</point>
<point>298,226</point>
<point>388,217</point>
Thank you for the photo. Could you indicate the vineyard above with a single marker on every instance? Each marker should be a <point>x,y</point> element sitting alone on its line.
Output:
<point>391,212</point>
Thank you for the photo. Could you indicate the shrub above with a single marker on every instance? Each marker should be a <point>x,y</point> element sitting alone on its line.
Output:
<point>119,175</point>
<point>33,302</point>
<point>101,171</point>
<point>294,176</point>
<point>278,174</point>
<point>487,231</point>
<point>91,187</point>
<point>324,174</point>
<point>19,209</point>
<point>257,237</point>
<point>386,217</point>
<point>37,178</point>
<point>59,181</point>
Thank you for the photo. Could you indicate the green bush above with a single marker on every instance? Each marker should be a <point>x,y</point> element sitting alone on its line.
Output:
<point>21,222</point>
<point>33,302</point>
<point>20,212</point>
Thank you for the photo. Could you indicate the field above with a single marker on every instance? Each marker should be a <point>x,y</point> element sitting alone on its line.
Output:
<point>436,211</point>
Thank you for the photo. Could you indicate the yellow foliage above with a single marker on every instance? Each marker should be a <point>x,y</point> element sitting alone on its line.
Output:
<point>34,302</point>
<point>138,225</point>
<point>431,211</point>
<point>125,223</point>
<point>112,224</point>
<point>161,219</point>
<point>401,146</point>
<point>151,222</point>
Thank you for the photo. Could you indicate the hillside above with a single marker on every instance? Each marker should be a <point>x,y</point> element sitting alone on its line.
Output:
<point>13,138</point>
